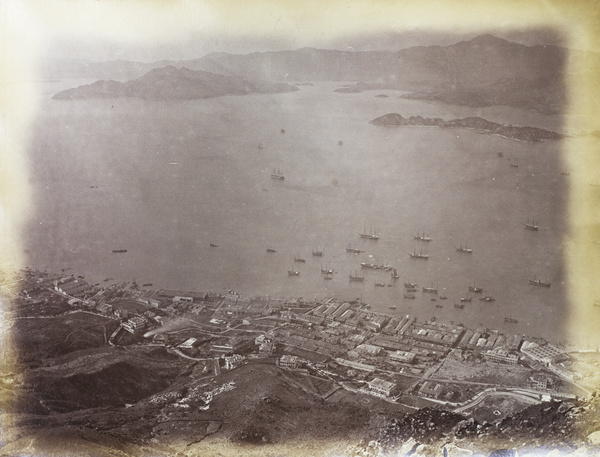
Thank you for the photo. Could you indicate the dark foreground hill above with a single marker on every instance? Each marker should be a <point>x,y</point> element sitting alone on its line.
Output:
<point>170,83</point>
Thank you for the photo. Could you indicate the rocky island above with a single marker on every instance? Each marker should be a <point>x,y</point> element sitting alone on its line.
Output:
<point>170,83</point>
<point>527,134</point>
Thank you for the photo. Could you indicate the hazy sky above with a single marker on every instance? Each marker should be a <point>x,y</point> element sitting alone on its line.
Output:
<point>149,30</point>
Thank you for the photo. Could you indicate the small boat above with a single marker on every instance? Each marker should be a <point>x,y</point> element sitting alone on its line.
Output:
<point>487,299</point>
<point>410,296</point>
<point>395,274</point>
<point>410,285</point>
<point>326,271</point>
<point>420,255</point>
<point>299,259</point>
<point>459,305</point>
<point>466,300</point>
<point>119,251</point>
<point>277,174</point>
<point>411,289</point>
<point>443,297</point>
<point>356,278</point>
<point>465,249</point>
<point>392,307</point>
<point>422,236</point>
<point>564,173</point>
<point>317,253</point>
<point>379,284</point>
<point>260,146</point>
<point>538,282</point>
<point>293,273</point>
<point>476,290</point>
<point>271,250</point>
<point>439,305</point>
<point>514,165</point>
<point>597,304</point>
<point>531,226</point>
<point>511,320</point>
<point>213,245</point>
<point>147,284</point>
<point>327,277</point>
<point>282,130</point>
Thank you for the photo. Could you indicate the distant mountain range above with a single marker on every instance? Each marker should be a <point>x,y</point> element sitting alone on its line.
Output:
<point>170,83</point>
<point>483,71</point>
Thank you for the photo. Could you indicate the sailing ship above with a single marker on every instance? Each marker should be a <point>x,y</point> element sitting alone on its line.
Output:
<point>465,249</point>
<point>430,290</point>
<point>422,236</point>
<point>356,278</point>
<point>353,250</point>
<point>420,255</point>
<point>326,271</point>
<point>475,290</point>
<point>369,236</point>
<point>277,174</point>
<point>531,225</point>
<point>538,282</point>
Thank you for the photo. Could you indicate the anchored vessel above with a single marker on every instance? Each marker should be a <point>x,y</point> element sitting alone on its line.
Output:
<point>355,277</point>
<point>277,174</point>
<point>465,249</point>
<point>422,236</point>
<point>538,282</point>
<point>369,236</point>
<point>531,226</point>
<point>420,255</point>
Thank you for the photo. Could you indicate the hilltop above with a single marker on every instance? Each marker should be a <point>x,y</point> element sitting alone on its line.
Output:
<point>170,83</point>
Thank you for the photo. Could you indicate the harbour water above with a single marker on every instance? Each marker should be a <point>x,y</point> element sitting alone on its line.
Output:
<point>164,180</point>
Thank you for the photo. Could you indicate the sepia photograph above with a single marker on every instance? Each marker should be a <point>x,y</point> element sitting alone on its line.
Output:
<point>348,228</point>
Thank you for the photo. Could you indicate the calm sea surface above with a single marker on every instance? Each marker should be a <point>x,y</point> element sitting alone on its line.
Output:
<point>164,180</point>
